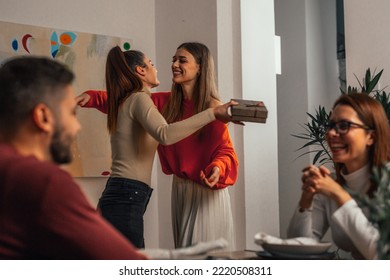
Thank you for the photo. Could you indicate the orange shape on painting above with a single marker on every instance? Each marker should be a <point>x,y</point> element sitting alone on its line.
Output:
<point>65,39</point>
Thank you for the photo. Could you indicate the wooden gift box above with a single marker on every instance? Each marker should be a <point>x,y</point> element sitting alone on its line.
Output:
<point>248,111</point>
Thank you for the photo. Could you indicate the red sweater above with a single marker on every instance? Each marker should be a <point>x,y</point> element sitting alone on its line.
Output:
<point>200,151</point>
<point>44,215</point>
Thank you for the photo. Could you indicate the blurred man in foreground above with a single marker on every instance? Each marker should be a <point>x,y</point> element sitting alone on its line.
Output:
<point>43,213</point>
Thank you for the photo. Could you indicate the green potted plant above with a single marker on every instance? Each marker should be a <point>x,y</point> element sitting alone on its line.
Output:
<point>314,129</point>
<point>379,211</point>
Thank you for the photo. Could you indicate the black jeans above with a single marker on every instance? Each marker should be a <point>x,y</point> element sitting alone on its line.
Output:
<point>123,203</point>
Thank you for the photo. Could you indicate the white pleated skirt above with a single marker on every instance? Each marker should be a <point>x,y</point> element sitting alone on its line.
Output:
<point>200,214</point>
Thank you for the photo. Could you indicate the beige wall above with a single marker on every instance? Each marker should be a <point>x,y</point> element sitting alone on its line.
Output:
<point>367,39</point>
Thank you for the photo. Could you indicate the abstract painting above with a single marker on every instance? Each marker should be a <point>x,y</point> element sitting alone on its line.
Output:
<point>85,54</point>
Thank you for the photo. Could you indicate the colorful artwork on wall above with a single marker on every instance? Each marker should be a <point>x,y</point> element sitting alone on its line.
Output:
<point>85,54</point>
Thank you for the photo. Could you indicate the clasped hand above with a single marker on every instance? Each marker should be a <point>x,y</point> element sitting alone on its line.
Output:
<point>318,180</point>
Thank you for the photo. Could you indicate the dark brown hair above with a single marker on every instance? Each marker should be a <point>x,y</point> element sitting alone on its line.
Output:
<point>26,82</point>
<point>372,114</point>
<point>121,80</point>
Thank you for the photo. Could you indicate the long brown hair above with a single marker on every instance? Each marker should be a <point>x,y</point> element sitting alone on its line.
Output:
<point>372,114</point>
<point>205,87</point>
<point>121,80</point>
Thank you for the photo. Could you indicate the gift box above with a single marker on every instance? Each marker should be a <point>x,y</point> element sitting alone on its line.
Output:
<point>249,111</point>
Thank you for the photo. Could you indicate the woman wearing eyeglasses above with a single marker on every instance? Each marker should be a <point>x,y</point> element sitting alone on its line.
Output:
<point>359,139</point>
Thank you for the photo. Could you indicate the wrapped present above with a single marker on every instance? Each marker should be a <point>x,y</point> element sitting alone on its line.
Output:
<point>249,111</point>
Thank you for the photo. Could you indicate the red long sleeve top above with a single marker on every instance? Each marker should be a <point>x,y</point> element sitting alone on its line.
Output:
<point>45,215</point>
<point>211,146</point>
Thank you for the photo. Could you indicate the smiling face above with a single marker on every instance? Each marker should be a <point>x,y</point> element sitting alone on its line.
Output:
<point>351,149</point>
<point>185,69</point>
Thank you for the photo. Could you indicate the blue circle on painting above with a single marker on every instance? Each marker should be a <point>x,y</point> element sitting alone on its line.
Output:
<point>15,45</point>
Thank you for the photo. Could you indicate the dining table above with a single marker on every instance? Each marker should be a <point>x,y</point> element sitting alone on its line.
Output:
<point>264,255</point>
<point>234,255</point>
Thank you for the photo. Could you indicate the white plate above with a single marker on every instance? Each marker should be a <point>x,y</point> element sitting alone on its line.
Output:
<point>278,249</point>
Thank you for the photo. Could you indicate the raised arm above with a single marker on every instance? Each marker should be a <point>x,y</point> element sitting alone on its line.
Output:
<point>98,99</point>
<point>154,123</point>
<point>93,99</point>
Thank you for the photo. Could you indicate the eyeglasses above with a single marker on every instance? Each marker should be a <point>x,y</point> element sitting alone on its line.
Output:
<point>342,127</point>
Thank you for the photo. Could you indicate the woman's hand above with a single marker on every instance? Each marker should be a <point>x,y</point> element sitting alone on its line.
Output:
<point>213,179</point>
<point>221,112</point>
<point>308,191</point>
<point>82,99</point>
<point>318,180</point>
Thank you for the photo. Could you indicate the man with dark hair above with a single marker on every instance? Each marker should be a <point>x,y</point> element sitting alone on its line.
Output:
<point>43,213</point>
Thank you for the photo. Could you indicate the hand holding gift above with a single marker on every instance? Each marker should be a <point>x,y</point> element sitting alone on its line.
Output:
<point>249,111</point>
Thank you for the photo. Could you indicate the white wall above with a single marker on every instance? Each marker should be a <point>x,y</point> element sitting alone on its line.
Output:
<point>122,18</point>
<point>292,91</point>
<point>309,79</point>
<point>367,39</point>
<point>230,86</point>
<point>260,141</point>
<point>321,47</point>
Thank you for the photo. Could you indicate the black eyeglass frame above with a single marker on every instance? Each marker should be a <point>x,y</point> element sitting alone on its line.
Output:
<point>336,126</point>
